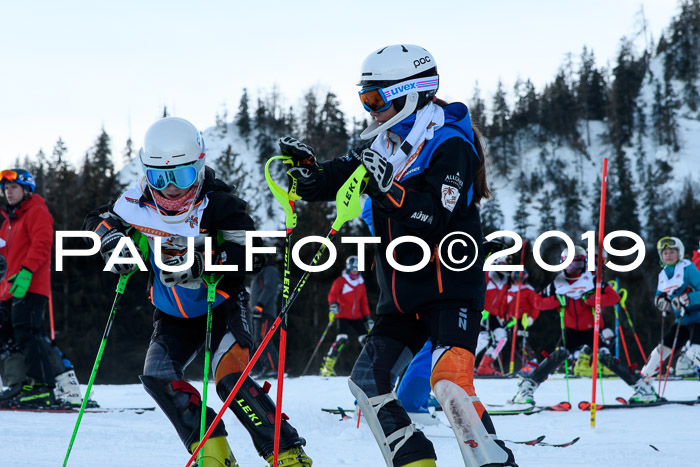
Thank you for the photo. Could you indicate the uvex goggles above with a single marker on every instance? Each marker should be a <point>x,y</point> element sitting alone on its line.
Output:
<point>666,242</point>
<point>378,98</point>
<point>182,176</point>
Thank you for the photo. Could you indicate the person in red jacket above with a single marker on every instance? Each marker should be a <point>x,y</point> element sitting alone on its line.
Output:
<point>348,306</point>
<point>493,334</point>
<point>696,258</point>
<point>527,311</point>
<point>573,293</point>
<point>27,232</point>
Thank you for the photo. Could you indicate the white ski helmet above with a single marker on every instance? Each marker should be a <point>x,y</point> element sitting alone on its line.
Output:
<point>173,152</point>
<point>579,253</point>
<point>670,242</point>
<point>391,67</point>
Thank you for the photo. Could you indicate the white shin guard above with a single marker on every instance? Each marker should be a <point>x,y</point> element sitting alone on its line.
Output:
<point>482,342</point>
<point>478,447</point>
<point>370,407</point>
<point>652,366</point>
<point>693,353</point>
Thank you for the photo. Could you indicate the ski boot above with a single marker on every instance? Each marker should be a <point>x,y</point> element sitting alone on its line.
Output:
<point>10,393</point>
<point>526,390</point>
<point>422,463</point>
<point>294,457</point>
<point>583,367</point>
<point>34,396</point>
<point>215,453</point>
<point>328,365</point>
<point>643,392</point>
<point>486,367</point>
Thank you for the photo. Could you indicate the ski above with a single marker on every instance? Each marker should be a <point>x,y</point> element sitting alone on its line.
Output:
<point>64,409</point>
<point>515,409</point>
<point>560,445</point>
<point>532,442</point>
<point>341,411</point>
<point>586,405</point>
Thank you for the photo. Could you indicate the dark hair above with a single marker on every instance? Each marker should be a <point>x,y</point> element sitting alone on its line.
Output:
<point>481,187</point>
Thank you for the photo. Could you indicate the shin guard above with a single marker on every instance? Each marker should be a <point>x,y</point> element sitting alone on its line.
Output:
<point>391,444</point>
<point>652,366</point>
<point>256,411</point>
<point>478,447</point>
<point>182,404</point>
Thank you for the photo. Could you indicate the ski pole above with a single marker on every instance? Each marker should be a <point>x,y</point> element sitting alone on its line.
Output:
<point>286,200</point>
<point>673,350</point>
<point>618,328</point>
<point>562,303</point>
<point>121,285</point>
<point>211,282</point>
<point>623,301</point>
<point>318,346</point>
<point>517,311</point>
<point>618,325</point>
<point>348,207</point>
<point>661,349</point>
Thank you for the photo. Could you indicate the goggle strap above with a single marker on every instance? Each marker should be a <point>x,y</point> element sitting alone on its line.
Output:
<point>406,87</point>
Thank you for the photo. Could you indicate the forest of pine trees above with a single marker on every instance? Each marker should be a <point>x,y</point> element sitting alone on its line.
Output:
<point>552,194</point>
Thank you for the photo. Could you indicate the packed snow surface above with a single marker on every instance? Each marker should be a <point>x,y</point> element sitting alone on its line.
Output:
<point>620,437</point>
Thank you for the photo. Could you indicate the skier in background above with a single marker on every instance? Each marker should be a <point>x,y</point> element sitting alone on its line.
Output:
<point>349,308</point>
<point>264,294</point>
<point>30,364</point>
<point>179,198</point>
<point>526,314</point>
<point>494,335</point>
<point>678,291</point>
<point>426,178</point>
<point>573,293</point>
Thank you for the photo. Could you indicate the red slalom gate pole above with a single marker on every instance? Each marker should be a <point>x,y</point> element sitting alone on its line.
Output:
<point>517,309</point>
<point>598,285</point>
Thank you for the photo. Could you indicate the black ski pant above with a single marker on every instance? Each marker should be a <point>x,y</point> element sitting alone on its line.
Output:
<point>25,327</point>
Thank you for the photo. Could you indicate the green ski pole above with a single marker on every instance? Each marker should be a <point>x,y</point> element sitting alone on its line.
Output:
<point>211,282</point>
<point>121,285</point>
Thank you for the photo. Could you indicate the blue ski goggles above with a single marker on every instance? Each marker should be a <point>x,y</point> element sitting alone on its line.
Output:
<point>182,176</point>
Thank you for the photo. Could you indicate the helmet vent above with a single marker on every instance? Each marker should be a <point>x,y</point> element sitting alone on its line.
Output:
<point>404,49</point>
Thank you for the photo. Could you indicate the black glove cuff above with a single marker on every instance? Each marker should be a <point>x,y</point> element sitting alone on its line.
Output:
<point>392,199</point>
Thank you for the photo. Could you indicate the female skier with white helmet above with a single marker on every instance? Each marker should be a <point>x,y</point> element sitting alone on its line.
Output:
<point>426,178</point>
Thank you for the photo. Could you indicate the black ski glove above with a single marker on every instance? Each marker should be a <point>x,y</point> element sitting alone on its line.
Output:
<point>302,154</point>
<point>662,303</point>
<point>548,290</point>
<point>189,278</point>
<point>382,188</point>
<point>110,237</point>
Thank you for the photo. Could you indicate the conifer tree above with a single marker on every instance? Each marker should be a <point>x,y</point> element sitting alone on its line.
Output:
<point>243,118</point>
<point>546,212</point>
<point>477,109</point>
<point>491,215</point>
<point>128,151</point>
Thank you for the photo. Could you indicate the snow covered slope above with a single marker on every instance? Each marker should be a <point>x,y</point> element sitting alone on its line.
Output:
<point>620,438</point>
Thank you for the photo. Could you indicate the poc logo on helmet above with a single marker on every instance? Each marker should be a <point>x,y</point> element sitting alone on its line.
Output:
<point>421,61</point>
